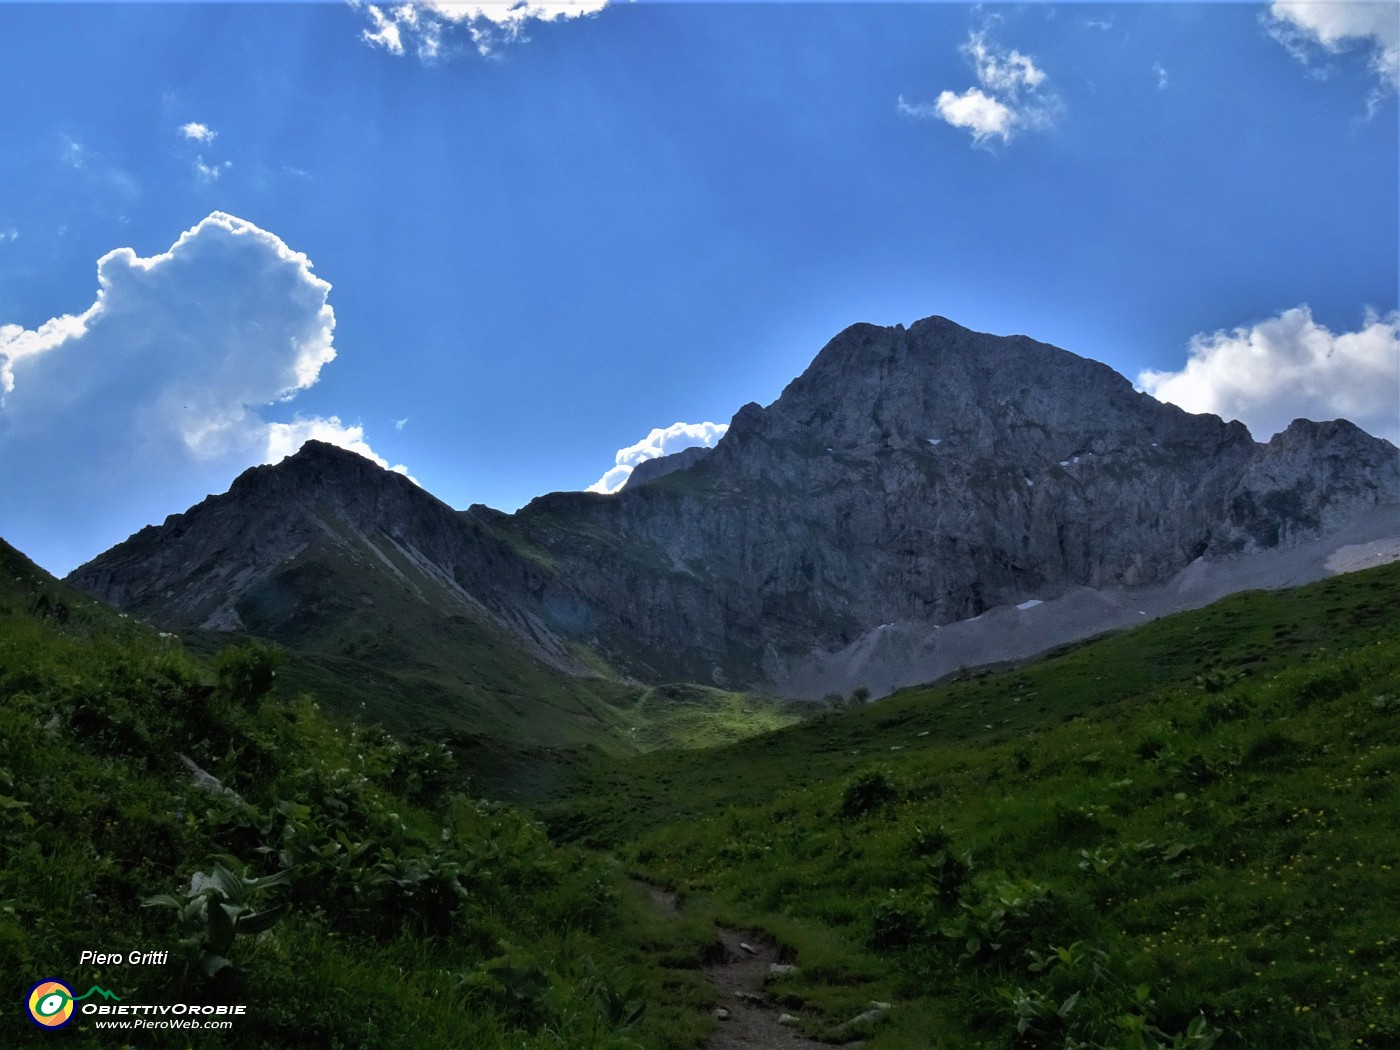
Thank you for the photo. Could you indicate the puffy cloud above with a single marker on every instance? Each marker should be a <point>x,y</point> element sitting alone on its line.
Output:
<point>1011,97</point>
<point>8,233</point>
<point>660,442</point>
<point>156,393</point>
<point>981,114</point>
<point>204,134</point>
<point>198,132</point>
<point>1306,26</point>
<point>487,23</point>
<point>1289,367</point>
<point>1161,73</point>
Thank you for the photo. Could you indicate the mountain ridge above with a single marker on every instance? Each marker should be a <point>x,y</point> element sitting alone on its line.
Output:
<point>920,475</point>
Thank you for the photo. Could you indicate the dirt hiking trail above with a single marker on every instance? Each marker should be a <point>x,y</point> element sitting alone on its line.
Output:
<point>746,1016</point>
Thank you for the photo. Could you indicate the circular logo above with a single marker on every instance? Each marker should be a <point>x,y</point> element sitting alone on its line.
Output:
<point>50,1004</point>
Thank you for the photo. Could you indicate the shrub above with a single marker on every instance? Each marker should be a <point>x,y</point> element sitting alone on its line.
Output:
<point>1327,684</point>
<point>1272,746</point>
<point>897,923</point>
<point>246,673</point>
<point>867,793</point>
<point>1150,747</point>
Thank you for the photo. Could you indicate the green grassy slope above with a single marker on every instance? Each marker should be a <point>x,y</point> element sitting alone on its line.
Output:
<point>369,647</point>
<point>378,635</point>
<point>1184,834</point>
<point>1181,836</point>
<point>334,881</point>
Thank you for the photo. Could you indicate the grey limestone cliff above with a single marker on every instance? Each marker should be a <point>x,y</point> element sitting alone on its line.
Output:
<point>929,474</point>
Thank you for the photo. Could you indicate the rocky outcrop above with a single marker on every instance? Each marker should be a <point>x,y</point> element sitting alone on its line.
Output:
<point>292,550</point>
<point>929,474</point>
<point>1310,479</point>
<point>919,475</point>
<point>651,469</point>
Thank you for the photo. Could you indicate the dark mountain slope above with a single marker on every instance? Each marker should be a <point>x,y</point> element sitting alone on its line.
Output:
<point>374,584</point>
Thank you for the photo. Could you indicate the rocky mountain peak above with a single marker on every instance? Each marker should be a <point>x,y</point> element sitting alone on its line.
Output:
<point>918,476</point>
<point>315,463</point>
<point>938,385</point>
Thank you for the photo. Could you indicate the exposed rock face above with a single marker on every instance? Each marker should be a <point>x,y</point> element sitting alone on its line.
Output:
<point>290,549</point>
<point>930,473</point>
<point>1312,478</point>
<point>920,475</point>
<point>651,469</point>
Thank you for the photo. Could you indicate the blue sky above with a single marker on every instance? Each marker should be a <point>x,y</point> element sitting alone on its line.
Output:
<point>495,251</point>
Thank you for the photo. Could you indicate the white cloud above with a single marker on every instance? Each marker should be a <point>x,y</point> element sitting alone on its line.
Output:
<point>981,114</point>
<point>1160,72</point>
<point>74,153</point>
<point>423,25</point>
<point>660,442</point>
<point>384,31</point>
<point>1002,71</point>
<point>210,172</point>
<point>156,393</point>
<point>198,132</point>
<point>1289,367</point>
<point>399,424</point>
<point>1011,98</point>
<point>8,233</point>
<point>1304,27</point>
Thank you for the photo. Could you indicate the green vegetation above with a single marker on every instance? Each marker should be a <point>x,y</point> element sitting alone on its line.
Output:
<point>368,647</point>
<point>332,878</point>
<point>371,648</point>
<point>678,716</point>
<point>1179,836</point>
<point>1182,836</point>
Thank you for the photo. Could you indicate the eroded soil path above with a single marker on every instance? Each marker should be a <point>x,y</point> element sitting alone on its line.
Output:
<point>753,1022</point>
<point>747,1016</point>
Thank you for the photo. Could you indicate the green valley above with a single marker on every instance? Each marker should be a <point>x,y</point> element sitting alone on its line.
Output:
<point>1178,836</point>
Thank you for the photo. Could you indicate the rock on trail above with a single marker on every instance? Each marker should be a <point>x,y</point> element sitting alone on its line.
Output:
<point>745,1017</point>
<point>753,1018</point>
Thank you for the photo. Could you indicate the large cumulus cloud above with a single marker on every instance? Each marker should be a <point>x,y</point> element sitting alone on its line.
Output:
<point>1288,367</point>
<point>157,393</point>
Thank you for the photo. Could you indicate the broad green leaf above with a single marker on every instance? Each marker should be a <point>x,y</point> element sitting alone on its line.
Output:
<point>263,920</point>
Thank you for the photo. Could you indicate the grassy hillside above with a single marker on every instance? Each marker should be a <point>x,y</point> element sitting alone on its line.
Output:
<point>1182,835</point>
<point>324,874</point>
<point>367,630</point>
<point>366,644</point>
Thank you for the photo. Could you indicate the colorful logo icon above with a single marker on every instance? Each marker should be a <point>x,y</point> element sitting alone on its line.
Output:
<point>51,1004</point>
